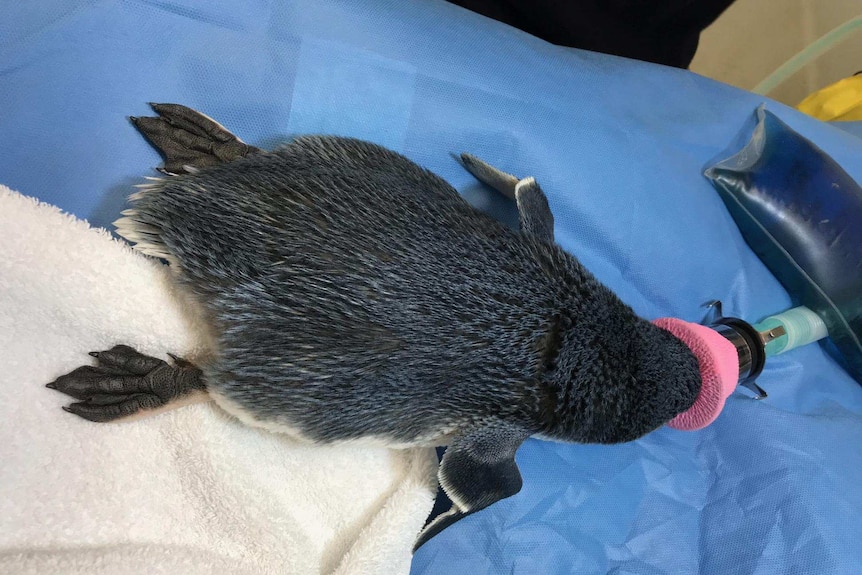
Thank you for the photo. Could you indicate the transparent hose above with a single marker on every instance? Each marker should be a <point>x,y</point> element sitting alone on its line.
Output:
<point>814,50</point>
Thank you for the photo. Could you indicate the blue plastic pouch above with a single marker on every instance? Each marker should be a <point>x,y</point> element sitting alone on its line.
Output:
<point>802,214</point>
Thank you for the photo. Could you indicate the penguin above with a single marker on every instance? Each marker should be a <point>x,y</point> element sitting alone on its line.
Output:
<point>356,296</point>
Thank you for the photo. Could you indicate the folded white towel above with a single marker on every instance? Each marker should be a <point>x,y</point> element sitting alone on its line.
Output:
<point>187,491</point>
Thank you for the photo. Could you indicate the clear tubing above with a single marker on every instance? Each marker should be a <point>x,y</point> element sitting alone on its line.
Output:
<point>812,51</point>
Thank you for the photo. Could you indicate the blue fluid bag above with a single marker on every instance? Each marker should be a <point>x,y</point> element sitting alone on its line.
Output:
<point>801,213</point>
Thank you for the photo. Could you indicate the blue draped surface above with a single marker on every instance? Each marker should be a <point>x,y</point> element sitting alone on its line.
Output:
<point>619,147</point>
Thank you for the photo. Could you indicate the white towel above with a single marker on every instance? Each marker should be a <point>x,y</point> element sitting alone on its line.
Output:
<point>187,491</point>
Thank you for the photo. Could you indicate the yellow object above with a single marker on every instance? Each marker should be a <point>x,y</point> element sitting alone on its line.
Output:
<point>839,101</point>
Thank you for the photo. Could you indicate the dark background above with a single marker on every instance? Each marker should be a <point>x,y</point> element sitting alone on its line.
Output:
<point>660,31</point>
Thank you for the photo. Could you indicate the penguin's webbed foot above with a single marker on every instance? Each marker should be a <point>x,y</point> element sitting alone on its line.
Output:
<point>125,383</point>
<point>189,140</point>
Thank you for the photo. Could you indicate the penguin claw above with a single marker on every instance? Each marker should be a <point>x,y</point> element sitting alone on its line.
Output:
<point>180,362</point>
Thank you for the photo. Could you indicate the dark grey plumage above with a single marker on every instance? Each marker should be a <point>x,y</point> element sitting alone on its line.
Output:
<point>357,295</point>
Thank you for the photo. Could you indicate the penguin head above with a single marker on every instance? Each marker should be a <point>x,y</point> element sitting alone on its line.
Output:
<point>614,376</point>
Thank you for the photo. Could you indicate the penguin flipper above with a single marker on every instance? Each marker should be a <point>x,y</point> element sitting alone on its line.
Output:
<point>478,469</point>
<point>487,174</point>
<point>188,139</point>
<point>534,213</point>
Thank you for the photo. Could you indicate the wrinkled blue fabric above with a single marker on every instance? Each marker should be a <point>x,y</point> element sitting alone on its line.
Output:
<point>619,147</point>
